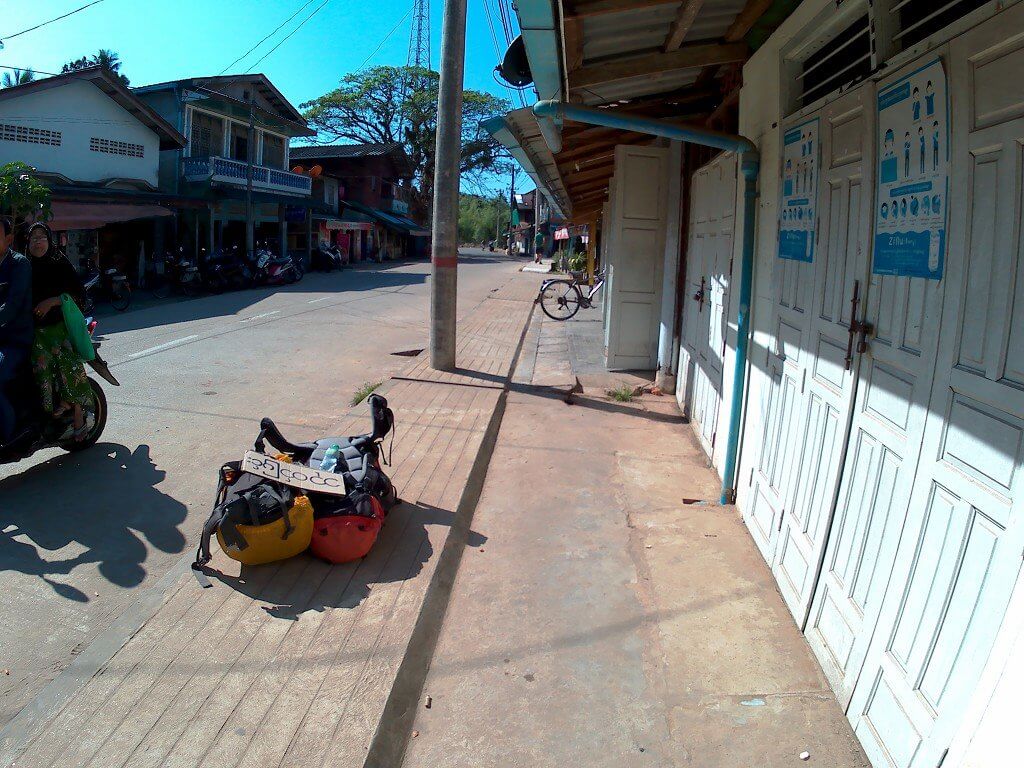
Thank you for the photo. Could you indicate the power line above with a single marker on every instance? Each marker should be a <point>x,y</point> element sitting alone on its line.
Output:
<point>64,16</point>
<point>271,34</point>
<point>314,13</point>
<point>497,52</point>
<point>386,38</point>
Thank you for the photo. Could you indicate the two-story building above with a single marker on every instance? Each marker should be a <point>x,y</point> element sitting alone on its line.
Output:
<point>232,122</point>
<point>97,145</point>
<point>371,219</point>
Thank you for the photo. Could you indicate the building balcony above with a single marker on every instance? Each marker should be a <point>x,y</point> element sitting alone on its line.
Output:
<point>233,172</point>
<point>394,205</point>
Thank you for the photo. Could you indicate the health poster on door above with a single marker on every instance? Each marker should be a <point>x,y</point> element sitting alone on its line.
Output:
<point>799,192</point>
<point>913,175</point>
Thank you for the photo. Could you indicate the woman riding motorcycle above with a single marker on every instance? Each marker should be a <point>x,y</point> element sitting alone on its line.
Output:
<point>58,370</point>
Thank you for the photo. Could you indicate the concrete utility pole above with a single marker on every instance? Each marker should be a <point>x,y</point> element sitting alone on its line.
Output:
<point>445,248</point>
<point>511,210</point>
<point>249,233</point>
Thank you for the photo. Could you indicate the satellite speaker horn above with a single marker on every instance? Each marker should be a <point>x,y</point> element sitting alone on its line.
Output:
<point>515,68</point>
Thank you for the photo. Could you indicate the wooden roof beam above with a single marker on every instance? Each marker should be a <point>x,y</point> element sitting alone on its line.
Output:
<point>583,8</point>
<point>686,57</point>
<point>684,19</point>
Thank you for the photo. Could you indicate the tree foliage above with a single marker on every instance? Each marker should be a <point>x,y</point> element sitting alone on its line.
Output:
<point>18,77</point>
<point>480,217</point>
<point>388,104</point>
<point>104,57</point>
<point>22,196</point>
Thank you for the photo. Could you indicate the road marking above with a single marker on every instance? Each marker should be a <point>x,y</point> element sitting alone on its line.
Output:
<point>257,317</point>
<point>322,298</point>
<point>162,347</point>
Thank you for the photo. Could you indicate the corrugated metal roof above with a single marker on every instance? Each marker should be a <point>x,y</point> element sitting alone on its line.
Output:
<point>341,150</point>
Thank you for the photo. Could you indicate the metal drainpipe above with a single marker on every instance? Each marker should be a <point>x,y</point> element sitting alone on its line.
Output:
<point>550,115</point>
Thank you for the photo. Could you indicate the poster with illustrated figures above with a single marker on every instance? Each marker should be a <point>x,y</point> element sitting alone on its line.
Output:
<point>913,175</point>
<point>799,192</point>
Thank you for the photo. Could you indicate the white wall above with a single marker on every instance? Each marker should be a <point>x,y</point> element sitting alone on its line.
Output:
<point>79,111</point>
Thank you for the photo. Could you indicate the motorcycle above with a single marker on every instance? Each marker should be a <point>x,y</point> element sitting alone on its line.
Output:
<point>223,270</point>
<point>326,258</point>
<point>36,430</point>
<point>179,272</point>
<point>276,270</point>
<point>109,284</point>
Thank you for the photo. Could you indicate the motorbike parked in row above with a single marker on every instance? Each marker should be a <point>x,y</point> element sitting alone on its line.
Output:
<point>327,258</point>
<point>179,273</point>
<point>36,430</point>
<point>107,284</point>
<point>271,269</point>
<point>225,269</point>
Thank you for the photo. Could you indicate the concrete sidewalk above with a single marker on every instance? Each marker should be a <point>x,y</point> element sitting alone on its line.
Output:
<point>299,662</point>
<point>616,616</point>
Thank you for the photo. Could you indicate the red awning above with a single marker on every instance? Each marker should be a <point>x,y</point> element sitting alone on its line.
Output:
<point>75,215</point>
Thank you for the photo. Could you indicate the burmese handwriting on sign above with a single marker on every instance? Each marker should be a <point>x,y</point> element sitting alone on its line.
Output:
<point>294,475</point>
<point>913,174</point>
<point>797,218</point>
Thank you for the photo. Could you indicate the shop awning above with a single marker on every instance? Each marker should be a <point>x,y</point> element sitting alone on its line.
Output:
<point>76,215</point>
<point>392,221</point>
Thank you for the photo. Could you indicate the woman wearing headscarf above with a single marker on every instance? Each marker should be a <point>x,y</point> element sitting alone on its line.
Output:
<point>63,384</point>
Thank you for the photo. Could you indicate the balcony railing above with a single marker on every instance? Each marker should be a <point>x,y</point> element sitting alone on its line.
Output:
<point>233,172</point>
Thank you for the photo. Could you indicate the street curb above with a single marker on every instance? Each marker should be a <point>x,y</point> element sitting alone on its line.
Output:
<point>394,729</point>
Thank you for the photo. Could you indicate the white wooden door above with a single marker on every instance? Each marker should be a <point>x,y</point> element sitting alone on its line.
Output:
<point>637,235</point>
<point>960,552</point>
<point>827,381</point>
<point>708,268</point>
<point>891,402</point>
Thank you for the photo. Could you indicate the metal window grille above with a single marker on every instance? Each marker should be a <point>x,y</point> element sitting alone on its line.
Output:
<point>113,147</point>
<point>26,135</point>
<point>919,19</point>
<point>845,60</point>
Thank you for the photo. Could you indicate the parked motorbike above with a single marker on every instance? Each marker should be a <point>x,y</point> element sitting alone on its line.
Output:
<point>225,269</point>
<point>107,284</point>
<point>179,273</point>
<point>36,430</point>
<point>271,269</point>
<point>326,258</point>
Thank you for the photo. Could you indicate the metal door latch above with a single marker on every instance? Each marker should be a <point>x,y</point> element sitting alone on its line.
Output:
<point>859,328</point>
<point>700,294</point>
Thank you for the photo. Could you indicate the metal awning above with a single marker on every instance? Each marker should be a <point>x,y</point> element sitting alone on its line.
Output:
<point>80,215</point>
<point>519,133</point>
<point>392,221</point>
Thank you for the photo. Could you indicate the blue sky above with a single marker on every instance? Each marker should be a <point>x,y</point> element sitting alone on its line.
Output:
<point>160,41</point>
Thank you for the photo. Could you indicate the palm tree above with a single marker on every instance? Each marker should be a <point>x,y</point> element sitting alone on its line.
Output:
<point>18,77</point>
<point>104,57</point>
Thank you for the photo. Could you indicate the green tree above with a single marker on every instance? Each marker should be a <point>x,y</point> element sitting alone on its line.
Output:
<point>18,77</point>
<point>399,105</point>
<point>22,196</point>
<point>104,57</point>
<point>480,218</point>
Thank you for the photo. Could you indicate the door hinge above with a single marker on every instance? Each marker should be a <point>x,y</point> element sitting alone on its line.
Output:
<point>943,758</point>
<point>750,482</point>
<point>713,436</point>
<point>782,514</point>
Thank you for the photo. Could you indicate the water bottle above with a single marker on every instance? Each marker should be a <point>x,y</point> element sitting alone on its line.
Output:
<point>330,461</point>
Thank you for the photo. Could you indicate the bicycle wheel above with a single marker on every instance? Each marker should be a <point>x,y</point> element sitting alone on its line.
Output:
<point>560,299</point>
<point>121,297</point>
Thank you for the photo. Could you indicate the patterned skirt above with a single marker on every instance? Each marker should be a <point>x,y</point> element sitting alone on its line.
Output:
<point>58,369</point>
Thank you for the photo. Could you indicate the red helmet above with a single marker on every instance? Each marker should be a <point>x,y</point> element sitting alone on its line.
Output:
<point>341,538</point>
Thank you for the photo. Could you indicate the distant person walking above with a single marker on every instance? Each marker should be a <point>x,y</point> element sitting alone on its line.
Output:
<point>538,246</point>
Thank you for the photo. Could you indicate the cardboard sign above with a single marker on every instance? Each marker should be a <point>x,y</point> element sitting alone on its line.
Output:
<point>293,475</point>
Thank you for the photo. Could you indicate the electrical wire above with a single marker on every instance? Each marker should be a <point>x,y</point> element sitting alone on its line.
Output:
<point>497,53</point>
<point>386,38</point>
<point>58,18</point>
<point>314,13</point>
<point>271,34</point>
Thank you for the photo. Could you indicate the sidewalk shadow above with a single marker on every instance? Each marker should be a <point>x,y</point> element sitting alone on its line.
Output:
<point>400,554</point>
<point>102,501</point>
<point>604,406</point>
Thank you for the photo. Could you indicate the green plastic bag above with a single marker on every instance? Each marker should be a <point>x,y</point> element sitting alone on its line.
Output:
<point>78,331</point>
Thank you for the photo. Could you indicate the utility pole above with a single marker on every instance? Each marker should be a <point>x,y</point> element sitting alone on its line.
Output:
<point>511,209</point>
<point>249,233</point>
<point>444,251</point>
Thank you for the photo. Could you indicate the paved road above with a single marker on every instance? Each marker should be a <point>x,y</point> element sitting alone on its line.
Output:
<point>82,534</point>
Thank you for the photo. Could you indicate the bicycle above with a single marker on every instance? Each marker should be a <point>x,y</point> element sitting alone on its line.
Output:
<point>561,299</point>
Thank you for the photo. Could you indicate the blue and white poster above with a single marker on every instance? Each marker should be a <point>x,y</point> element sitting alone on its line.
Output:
<point>913,175</point>
<point>799,192</point>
